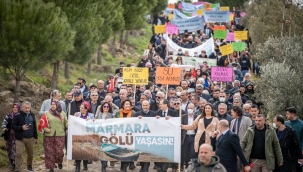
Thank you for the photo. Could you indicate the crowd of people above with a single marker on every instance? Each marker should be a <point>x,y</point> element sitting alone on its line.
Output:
<point>222,127</point>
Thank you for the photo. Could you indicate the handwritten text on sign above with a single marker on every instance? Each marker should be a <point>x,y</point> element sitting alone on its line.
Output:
<point>222,74</point>
<point>167,75</point>
<point>133,75</point>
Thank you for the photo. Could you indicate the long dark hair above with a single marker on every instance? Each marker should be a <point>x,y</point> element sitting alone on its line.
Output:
<point>203,114</point>
<point>109,107</point>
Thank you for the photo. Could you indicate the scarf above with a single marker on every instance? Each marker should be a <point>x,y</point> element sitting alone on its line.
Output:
<point>85,116</point>
<point>58,109</point>
<point>11,115</point>
<point>123,111</point>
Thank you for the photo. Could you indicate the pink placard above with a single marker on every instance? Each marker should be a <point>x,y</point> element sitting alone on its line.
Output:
<point>242,14</point>
<point>222,74</point>
<point>180,6</point>
<point>171,29</point>
<point>230,36</point>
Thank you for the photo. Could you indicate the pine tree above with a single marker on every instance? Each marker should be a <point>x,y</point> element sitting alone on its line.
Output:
<point>33,34</point>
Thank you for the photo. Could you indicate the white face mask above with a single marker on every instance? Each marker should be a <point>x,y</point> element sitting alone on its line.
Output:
<point>222,99</point>
<point>119,85</point>
<point>178,94</point>
<point>190,111</point>
<point>274,125</point>
<point>235,68</point>
<point>179,52</point>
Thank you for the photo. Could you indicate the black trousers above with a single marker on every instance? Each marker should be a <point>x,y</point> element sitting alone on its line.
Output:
<point>162,166</point>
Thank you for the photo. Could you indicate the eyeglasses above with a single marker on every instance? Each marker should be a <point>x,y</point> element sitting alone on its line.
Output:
<point>94,95</point>
<point>176,103</point>
<point>105,106</point>
<point>158,97</point>
<point>79,83</point>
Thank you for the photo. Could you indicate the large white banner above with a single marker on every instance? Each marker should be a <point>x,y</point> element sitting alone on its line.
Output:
<point>125,139</point>
<point>208,46</point>
<point>196,61</point>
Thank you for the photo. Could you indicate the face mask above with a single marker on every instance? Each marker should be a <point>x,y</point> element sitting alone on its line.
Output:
<point>178,94</point>
<point>190,111</point>
<point>274,125</point>
<point>219,56</point>
<point>222,99</point>
<point>179,52</point>
<point>235,68</point>
<point>119,85</point>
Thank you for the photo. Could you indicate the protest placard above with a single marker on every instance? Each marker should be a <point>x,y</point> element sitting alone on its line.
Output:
<point>124,139</point>
<point>238,46</point>
<point>135,75</point>
<point>240,35</point>
<point>170,16</point>
<point>226,49</point>
<point>219,27</point>
<point>180,6</point>
<point>199,12</point>
<point>190,24</point>
<point>216,16</point>
<point>171,29</point>
<point>224,8</point>
<point>160,29</point>
<point>222,74</point>
<point>243,14</point>
<point>171,6</point>
<point>167,75</point>
<point>220,34</point>
<point>230,36</point>
<point>231,17</point>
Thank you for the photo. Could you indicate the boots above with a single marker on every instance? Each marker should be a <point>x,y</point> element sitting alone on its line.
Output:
<point>104,165</point>
<point>85,162</point>
<point>77,165</point>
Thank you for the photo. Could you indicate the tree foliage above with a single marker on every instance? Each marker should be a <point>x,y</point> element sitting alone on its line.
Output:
<point>134,11</point>
<point>280,85</point>
<point>231,4</point>
<point>159,7</point>
<point>33,34</point>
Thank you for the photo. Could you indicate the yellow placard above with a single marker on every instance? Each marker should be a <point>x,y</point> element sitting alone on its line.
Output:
<point>135,75</point>
<point>170,16</point>
<point>231,17</point>
<point>240,35</point>
<point>224,8</point>
<point>226,49</point>
<point>199,12</point>
<point>160,29</point>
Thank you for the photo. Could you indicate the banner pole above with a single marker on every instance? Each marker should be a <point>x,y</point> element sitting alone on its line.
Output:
<point>69,109</point>
<point>180,115</point>
<point>135,92</point>
<point>166,90</point>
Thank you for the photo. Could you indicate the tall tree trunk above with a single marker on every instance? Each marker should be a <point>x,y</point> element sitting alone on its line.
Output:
<point>99,60</point>
<point>113,47</point>
<point>121,38</point>
<point>55,75</point>
<point>126,37</point>
<point>18,78</point>
<point>89,66</point>
<point>66,70</point>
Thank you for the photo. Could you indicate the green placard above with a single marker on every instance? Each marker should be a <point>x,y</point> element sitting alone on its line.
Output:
<point>213,5</point>
<point>220,34</point>
<point>238,46</point>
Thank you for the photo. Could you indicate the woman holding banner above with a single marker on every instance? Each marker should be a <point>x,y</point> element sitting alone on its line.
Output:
<point>205,124</point>
<point>54,135</point>
<point>126,112</point>
<point>83,114</point>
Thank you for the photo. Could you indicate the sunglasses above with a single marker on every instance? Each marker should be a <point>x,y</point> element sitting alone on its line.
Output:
<point>94,95</point>
<point>158,97</point>
<point>105,106</point>
<point>176,103</point>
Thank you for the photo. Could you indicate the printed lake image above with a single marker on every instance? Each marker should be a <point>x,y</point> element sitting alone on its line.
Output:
<point>91,147</point>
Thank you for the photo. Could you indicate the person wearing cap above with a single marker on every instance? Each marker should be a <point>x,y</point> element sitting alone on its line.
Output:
<point>74,105</point>
<point>122,64</point>
<point>297,124</point>
<point>249,91</point>
<point>86,95</point>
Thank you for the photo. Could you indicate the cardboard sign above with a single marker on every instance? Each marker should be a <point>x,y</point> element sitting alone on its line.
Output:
<point>171,6</point>
<point>168,75</point>
<point>180,6</point>
<point>160,29</point>
<point>224,8</point>
<point>135,75</point>
<point>222,74</point>
<point>171,29</point>
<point>222,27</point>
<point>226,49</point>
<point>170,16</point>
<point>240,35</point>
<point>238,46</point>
<point>243,14</point>
<point>230,36</point>
<point>220,34</point>
<point>231,17</point>
<point>199,12</point>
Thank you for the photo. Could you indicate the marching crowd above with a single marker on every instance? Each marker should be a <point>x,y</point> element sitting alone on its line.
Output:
<point>222,126</point>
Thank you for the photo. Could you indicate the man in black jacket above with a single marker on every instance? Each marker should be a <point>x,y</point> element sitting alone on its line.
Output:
<point>227,148</point>
<point>74,106</point>
<point>145,112</point>
<point>24,126</point>
<point>166,113</point>
<point>290,146</point>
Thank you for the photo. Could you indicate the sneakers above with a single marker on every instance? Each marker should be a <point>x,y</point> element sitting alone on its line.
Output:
<point>30,168</point>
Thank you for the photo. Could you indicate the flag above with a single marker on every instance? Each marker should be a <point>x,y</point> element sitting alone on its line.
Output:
<point>111,85</point>
<point>43,123</point>
<point>194,73</point>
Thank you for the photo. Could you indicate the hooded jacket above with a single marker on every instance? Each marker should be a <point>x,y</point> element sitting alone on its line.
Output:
<point>214,165</point>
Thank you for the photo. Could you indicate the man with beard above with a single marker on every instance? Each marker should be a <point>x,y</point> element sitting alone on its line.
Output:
<point>215,97</point>
<point>242,92</point>
<point>202,103</point>
<point>250,91</point>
